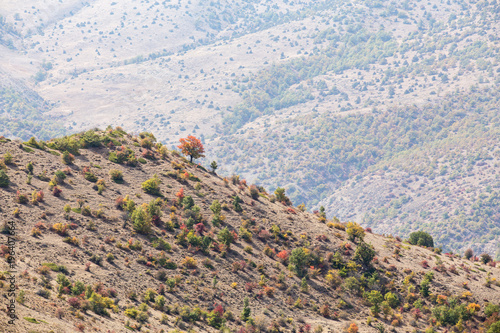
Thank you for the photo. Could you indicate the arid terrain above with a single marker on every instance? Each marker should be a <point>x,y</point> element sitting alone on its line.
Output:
<point>332,100</point>
<point>125,235</point>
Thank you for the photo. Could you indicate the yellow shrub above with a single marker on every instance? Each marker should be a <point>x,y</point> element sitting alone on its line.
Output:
<point>189,262</point>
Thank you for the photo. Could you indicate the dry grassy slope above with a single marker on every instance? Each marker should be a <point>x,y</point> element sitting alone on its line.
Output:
<point>195,287</point>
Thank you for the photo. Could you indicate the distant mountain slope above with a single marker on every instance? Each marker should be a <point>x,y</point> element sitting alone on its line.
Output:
<point>358,166</point>
<point>155,59</point>
<point>23,113</point>
<point>126,235</point>
<point>205,66</point>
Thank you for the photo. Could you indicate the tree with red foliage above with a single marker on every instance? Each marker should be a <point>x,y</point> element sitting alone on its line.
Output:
<point>200,228</point>
<point>283,255</point>
<point>219,310</point>
<point>180,195</point>
<point>192,147</point>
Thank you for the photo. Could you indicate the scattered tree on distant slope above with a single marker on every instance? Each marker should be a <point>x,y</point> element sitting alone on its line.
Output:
<point>192,147</point>
<point>421,238</point>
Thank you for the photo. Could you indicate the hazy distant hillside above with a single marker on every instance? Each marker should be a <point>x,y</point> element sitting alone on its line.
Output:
<point>324,97</point>
<point>366,101</point>
<point>148,61</point>
<point>433,166</point>
<point>183,66</point>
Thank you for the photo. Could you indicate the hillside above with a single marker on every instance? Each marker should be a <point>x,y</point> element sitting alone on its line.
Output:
<point>125,235</point>
<point>432,167</point>
<point>304,85</point>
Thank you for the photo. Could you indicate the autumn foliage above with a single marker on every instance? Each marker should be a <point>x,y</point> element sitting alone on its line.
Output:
<point>192,147</point>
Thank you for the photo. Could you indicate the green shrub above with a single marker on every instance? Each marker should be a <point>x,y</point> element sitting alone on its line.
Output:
<point>225,237</point>
<point>490,309</point>
<point>66,144</point>
<point>96,259</point>
<point>154,210</point>
<point>116,175</point>
<point>90,177</point>
<point>351,283</point>
<point>216,208</point>
<point>163,152</point>
<point>485,258</point>
<point>78,288</point>
<point>375,298</point>
<point>214,319</point>
<point>99,304</point>
<point>236,204</point>
<point>30,167</point>
<point>245,234</point>
<point>425,287</point>
<point>451,313</point>
<point>214,166</point>
<point>110,257</point>
<point>117,158</point>
<point>354,231</point>
<point>4,179</point>
<point>245,314</point>
<point>160,302</point>
<point>188,202</point>
<point>299,258</point>
<point>63,282</point>
<point>67,208</point>
<point>421,238</point>
<point>494,328</point>
<point>34,144</point>
<point>279,193</point>
<point>152,186</point>
<point>146,143</point>
<point>131,312</point>
<point>391,299</point>
<point>141,221</point>
<point>7,158</point>
<point>86,211</point>
<point>60,176</point>
<point>364,253</point>
<point>21,198</point>
<point>67,158</point>
<point>90,139</point>
<point>44,293</point>
<point>149,295</point>
<point>55,267</point>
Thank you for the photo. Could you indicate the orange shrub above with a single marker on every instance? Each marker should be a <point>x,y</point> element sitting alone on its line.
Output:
<point>441,299</point>
<point>473,308</point>
<point>180,194</point>
<point>60,229</point>
<point>269,291</point>
<point>283,256</point>
<point>353,328</point>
